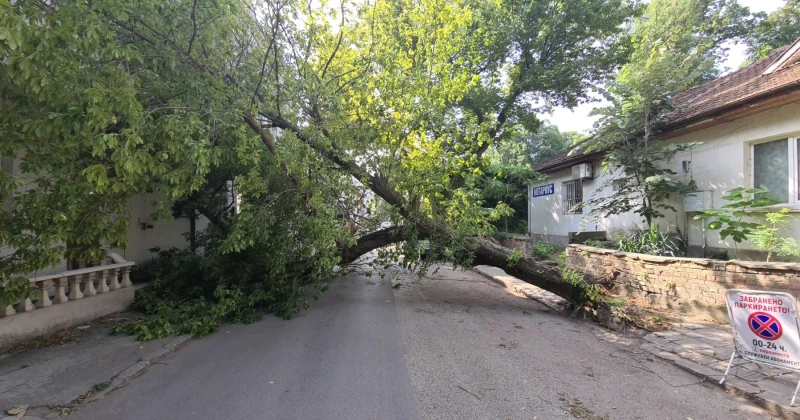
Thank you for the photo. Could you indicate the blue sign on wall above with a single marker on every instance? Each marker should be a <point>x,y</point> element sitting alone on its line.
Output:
<point>543,190</point>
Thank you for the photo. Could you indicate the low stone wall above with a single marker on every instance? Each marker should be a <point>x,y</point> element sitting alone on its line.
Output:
<point>690,284</point>
<point>520,242</point>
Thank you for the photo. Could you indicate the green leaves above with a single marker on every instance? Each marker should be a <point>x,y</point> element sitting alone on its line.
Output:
<point>775,30</point>
<point>768,236</point>
<point>728,220</point>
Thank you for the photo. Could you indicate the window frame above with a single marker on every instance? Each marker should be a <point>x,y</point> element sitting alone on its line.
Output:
<point>569,203</point>
<point>793,142</point>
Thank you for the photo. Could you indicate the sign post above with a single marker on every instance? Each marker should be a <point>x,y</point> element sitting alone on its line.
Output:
<point>765,329</point>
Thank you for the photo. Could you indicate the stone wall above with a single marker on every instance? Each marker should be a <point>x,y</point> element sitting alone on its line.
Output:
<point>690,284</point>
<point>520,242</point>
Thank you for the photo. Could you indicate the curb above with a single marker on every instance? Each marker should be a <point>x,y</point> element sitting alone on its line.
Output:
<point>137,369</point>
<point>732,384</point>
<point>551,300</point>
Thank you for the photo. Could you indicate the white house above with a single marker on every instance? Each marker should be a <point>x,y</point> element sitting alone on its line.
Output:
<point>143,231</point>
<point>749,125</point>
<point>70,295</point>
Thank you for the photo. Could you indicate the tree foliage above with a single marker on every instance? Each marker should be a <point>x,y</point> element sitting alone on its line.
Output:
<point>677,45</point>
<point>779,28</point>
<point>509,171</point>
<point>312,112</point>
<point>533,147</point>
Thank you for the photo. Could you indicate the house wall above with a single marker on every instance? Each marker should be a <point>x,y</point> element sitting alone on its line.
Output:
<point>547,218</point>
<point>719,164</point>
<point>163,234</point>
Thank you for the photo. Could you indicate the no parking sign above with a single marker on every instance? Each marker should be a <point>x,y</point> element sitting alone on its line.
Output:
<point>765,328</point>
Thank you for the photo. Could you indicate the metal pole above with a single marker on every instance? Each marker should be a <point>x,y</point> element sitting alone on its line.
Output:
<point>730,362</point>
<point>794,397</point>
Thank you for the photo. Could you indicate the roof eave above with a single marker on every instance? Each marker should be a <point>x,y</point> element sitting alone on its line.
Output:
<point>787,95</point>
<point>548,169</point>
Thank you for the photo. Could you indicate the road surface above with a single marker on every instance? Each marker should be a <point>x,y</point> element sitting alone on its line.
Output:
<point>450,346</point>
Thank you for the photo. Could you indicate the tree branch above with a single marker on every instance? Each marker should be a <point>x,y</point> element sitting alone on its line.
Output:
<point>377,183</point>
<point>193,16</point>
<point>371,241</point>
<point>338,44</point>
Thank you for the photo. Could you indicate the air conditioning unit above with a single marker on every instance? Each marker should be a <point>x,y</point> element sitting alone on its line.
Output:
<point>582,171</point>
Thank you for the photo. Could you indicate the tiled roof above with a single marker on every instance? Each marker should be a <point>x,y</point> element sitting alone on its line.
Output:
<point>572,155</point>
<point>734,89</point>
<point>722,94</point>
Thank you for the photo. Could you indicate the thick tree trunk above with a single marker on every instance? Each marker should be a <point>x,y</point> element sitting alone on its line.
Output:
<point>370,242</point>
<point>487,252</point>
<point>535,272</point>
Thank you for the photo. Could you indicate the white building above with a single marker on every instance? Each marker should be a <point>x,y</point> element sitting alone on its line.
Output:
<point>143,231</point>
<point>749,125</point>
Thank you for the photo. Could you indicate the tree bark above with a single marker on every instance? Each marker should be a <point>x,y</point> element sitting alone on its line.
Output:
<point>527,269</point>
<point>487,252</point>
<point>370,242</point>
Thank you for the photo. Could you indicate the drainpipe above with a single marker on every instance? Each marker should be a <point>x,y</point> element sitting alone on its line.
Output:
<point>704,237</point>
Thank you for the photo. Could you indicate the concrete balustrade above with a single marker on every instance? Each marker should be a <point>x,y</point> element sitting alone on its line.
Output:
<point>82,283</point>
<point>66,299</point>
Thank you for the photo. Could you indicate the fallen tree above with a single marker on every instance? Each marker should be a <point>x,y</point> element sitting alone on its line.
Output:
<point>339,131</point>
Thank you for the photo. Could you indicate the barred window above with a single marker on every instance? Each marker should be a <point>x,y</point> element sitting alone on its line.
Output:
<point>618,184</point>
<point>573,195</point>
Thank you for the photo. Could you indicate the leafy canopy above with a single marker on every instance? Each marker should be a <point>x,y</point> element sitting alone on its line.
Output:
<point>314,113</point>
<point>779,28</point>
<point>677,45</point>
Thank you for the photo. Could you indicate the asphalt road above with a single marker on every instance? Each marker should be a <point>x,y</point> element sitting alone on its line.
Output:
<point>450,346</point>
<point>340,359</point>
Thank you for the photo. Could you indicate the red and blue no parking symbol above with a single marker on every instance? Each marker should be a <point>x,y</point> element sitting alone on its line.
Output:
<point>765,326</point>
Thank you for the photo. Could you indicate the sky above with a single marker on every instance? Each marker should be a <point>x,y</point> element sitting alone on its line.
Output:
<point>578,119</point>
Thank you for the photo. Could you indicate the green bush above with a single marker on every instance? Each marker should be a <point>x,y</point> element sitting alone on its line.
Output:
<point>653,242</point>
<point>767,236</point>
<point>543,250</point>
<point>591,292</point>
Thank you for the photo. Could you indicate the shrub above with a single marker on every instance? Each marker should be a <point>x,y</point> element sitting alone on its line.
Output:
<point>653,242</point>
<point>767,237</point>
<point>542,250</point>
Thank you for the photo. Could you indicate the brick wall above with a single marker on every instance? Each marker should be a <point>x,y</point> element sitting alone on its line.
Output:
<point>686,283</point>
<point>522,243</point>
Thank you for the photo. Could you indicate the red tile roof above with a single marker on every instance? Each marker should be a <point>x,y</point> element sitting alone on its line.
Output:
<point>739,87</point>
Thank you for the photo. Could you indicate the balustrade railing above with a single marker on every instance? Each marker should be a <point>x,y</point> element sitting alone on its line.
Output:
<point>73,285</point>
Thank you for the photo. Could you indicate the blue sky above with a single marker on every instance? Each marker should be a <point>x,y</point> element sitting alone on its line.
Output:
<point>578,119</point>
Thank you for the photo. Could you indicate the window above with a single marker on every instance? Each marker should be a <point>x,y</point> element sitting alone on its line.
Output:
<point>573,195</point>
<point>775,169</point>
<point>618,184</point>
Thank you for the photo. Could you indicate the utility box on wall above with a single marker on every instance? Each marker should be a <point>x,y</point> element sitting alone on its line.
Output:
<point>697,201</point>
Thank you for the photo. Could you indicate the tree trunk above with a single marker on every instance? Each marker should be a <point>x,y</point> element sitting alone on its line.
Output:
<point>527,269</point>
<point>487,252</point>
